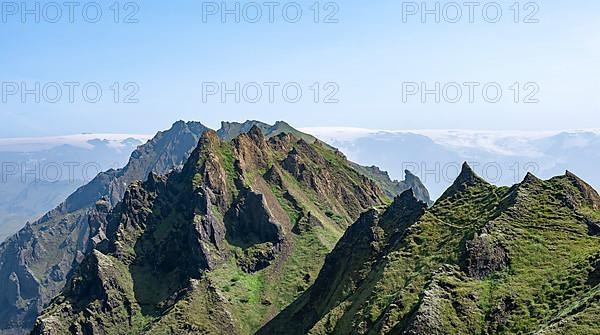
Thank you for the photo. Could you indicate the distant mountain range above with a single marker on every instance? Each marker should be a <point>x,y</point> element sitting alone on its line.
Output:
<point>39,173</point>
<point>436,156</point>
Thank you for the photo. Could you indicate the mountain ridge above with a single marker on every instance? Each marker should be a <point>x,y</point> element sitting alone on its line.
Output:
<point>482,260</point>
<point>51,248</point>
<point>240,226</point>
<point>41,256</point>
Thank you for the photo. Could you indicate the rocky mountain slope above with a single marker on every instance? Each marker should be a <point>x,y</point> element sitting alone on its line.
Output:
<point>36,263</point>
<point>482,260</point>
<point>220,246</point>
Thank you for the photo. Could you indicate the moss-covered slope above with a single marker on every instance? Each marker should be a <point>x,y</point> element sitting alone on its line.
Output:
<point>482,260</point>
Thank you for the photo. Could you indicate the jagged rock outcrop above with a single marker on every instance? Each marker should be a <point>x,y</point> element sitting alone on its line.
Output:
<point>97,220</point>
<point>484,254</point>
<point>394,188</point>
<point>590,195</point>
<point>306,223</point>
<point>593,227</point>
<point>414,183</point>
<point>466,179</point>
<point>482,260</point>
<point>250,222</point>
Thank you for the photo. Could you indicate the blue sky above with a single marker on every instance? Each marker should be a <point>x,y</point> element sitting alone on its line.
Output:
<point>366,56</point>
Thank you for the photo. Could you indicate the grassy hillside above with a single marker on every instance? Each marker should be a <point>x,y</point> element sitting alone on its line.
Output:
<point>482,260</point>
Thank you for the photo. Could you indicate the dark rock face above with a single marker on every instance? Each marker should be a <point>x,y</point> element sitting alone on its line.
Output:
<point>207,228</point>
<point>306,223</point>
<point>413,182</point>
<point>594,276</point>
<point>251,226</point>
<point>98,221</point>
<point>484,255</point>
<point>250,223</point>
<point>274,176</point>
<point>294,165</point>
<point>257,257</point>
<point>90,284</point>
<point>593,227</point>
